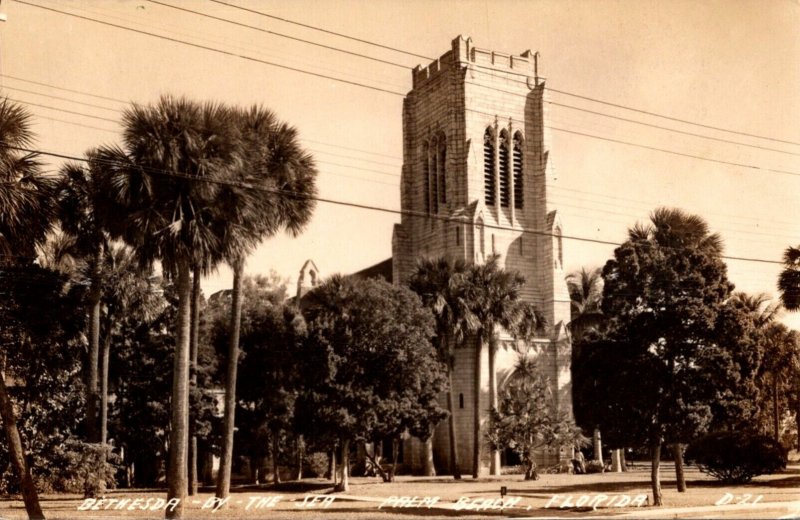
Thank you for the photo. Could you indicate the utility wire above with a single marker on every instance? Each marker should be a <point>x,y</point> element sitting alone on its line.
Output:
<point>654,148</point>
<point>61,88</point>
<point>587,98</point>
<point>6,87</point>
<point>64,110</point>
<point>266,31</point>
<point>312,27</point>
<point>402,212</point>
<point>214,49</point>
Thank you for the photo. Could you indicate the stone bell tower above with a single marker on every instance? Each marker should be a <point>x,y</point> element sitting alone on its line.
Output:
<point>475,181</point>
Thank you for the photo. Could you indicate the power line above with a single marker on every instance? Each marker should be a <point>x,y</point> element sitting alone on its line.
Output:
<point>253,11</point>
<point>402,212</point>
<point>64,110</point>
<point>266,31</point>
<point>6,87</point>
<point>62,88</point>
<point>654,148</point>
<point>663,150</point>
<point>685,121</point>
<point>587,98</point>
<point>634,121</point>
<point>214,49</point>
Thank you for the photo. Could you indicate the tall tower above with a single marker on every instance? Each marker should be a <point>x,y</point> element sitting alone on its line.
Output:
<point>475,181</point>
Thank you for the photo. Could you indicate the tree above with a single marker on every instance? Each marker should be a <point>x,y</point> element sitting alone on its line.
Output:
<point>79,195</point>
<point>781,352</point>
<point>586,297</point>
<point>527,418</point>
<point>789,279</point>
<point>26,215</point>
<point>492,295</point>
<point>279,176</point>
<point>164,193</point>
<point>663,292</point>
<point>370,367</point>
<point>439,283</point>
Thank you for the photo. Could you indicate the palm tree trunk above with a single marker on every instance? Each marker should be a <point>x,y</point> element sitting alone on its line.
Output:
<point>194,337</point>
<point>224,477</point>
<point>655,477</point>
<point>344,482</point>
<point>680,478</point>
<point>300,451</point>
<point>476,433</point>
<point>275,451</point>
<point>494,468</point>
<point>179,423</point>
<point>451,427</point>
<point>428,470</point>
<point>17,454</point>
<point>776,417</point>
<point>95,292</point>
<point>104,385</point>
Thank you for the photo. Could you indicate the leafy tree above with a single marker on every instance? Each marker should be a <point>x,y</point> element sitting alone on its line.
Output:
<point>527,418</point>
<point>439,283</point>
<point>165,208</point>
<point>663,292</point>
<point>370,367</point>
<point>274,191</point>
<point>26,215</point>
<point>41,353</point>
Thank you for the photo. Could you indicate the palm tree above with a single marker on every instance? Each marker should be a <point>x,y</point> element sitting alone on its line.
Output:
<point>789,279</point>
<point>281,175</point>
<point>492,294</point>
<point>163,191</point>
<point>78,197</point>
<point>26,215</point>
<point>760,306</point>
<point>781,351</point>
<point>586,295</point>
<point>438,283</point>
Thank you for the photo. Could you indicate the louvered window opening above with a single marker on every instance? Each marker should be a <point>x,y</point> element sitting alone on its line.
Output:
<point>505,181</point>
<point>488,169</point>
<point>518,191</point>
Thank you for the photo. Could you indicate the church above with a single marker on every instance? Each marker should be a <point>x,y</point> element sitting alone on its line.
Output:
<point>475,181</point>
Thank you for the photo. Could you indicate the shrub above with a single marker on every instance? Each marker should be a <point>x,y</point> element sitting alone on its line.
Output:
<point>316,464</point>
<point>594,466</point>
<point>736,457</point>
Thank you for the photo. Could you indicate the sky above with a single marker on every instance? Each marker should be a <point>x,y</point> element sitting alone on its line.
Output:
<point>614,67</point>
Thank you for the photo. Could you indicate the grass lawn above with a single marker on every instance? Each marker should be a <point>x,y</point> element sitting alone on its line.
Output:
<point>367,495</point>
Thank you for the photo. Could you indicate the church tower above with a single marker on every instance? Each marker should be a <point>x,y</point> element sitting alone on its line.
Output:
<point>475,181</point>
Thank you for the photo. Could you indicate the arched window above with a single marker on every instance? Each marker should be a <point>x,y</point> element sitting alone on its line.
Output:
<point>518,180</point>
<point>481,238</point>
<point>426,167</point>
<point>442,169</point>
<point>505,180</point>
<point>434,169</point>
<point>488,167</point>
<point>558,254</point>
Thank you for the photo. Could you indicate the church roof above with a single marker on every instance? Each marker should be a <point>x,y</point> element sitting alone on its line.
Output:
<point>380,270</point>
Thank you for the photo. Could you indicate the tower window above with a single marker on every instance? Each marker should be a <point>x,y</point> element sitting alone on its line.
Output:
<point>442,169</point>
<point>481,238</point>
<point>494,249</point>
<point>427,173</point>
<point>461,400</point>
<point>433,157</point>
<point>458,236</point>
<point>518,181</point>
<point>488,167</point>
<point>505,181</point>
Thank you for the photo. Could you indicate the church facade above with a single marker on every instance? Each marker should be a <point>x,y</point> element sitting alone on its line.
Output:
<point>475,181</point>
